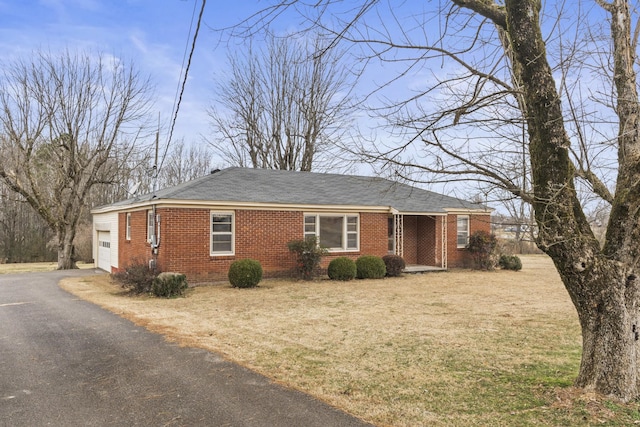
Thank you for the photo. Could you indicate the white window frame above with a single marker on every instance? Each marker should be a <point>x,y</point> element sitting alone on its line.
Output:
<point>345,229</point>
<point>151,225</point>
<point>128,226</point>
<point>460,233</point>
<point>232,233</point>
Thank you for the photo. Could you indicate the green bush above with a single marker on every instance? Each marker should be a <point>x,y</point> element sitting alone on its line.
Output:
<point>245,273</point>
<point>370,267</point>
<point>510,262</point>
<point>136,277</point>
<point>169,285</point>
<point>308,256</point>
<point>394,264</point>
<point>342,268</point>
<point>483,249</point>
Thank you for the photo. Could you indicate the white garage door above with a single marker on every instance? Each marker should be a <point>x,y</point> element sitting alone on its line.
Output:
<point>104,250</point>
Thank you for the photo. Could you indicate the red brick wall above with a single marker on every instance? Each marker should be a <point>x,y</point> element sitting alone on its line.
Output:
<point>261,235</point>
<point>184,242</point>
<point>455,257</point>
<point>410,239</point>
<point>374,237</point>
<point>422,240</point>
<point>459,257</point>
<point>137,249</point>
<point>427,242</point>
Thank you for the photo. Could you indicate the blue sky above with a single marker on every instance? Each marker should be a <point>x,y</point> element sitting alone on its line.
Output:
<point>152,33</point>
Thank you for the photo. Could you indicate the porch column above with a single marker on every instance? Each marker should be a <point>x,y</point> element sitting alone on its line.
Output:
<point>398,227</point>
<point>443,245</point>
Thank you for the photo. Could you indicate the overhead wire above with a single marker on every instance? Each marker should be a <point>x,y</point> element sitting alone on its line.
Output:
<point>181,86</point>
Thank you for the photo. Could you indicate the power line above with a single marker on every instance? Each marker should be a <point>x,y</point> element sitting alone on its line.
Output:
<point>184,82</point>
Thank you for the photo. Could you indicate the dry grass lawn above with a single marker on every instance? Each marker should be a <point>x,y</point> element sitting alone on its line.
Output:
<point>439,349</point>
<point>27,267</point>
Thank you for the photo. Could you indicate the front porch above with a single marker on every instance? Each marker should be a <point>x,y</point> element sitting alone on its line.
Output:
<point>414,269</point>
<point>421,240</point>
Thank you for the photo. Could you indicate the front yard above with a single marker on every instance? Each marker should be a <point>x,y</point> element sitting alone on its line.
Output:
<point>457,348</point>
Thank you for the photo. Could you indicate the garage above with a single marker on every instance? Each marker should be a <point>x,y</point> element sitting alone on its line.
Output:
<point>104,250</point>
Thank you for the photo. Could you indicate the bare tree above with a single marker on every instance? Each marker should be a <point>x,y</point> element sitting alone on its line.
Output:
<point>283,106</point>
<point>184,163</point>
<point>489,66</point>
<point>24,236</point>
<point>68,123</point>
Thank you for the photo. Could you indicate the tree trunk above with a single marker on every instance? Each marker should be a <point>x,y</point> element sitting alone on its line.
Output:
<point>609,349</point>
<point>606,300</point>
<point>602,286</point>
<point>66,252</point>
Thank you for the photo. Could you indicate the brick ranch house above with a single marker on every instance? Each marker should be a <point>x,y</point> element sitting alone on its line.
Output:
<point>200,227</point>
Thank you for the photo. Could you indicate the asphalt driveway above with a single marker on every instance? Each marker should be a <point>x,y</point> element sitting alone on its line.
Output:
<point>67,362</point>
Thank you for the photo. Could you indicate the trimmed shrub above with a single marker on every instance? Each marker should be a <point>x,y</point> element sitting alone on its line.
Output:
<point>483,249</point>
<point>342,268</point>
<point>370,267</point>
<point>394,264</point>
<point>136,277</point>
<point>169,285</point>
<point>308,256</point>
<point>510,262</point>
<point>245,273</point>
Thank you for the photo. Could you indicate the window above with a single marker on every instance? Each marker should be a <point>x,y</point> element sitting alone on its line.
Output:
<point>310,226</point>
<point>150,226</point>
<point>128,231</point>
<point>463,231</point>
<point>222,231</point>
<point>335,232</point>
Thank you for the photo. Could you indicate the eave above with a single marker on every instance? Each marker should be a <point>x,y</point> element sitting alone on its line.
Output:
<point>230,205</point>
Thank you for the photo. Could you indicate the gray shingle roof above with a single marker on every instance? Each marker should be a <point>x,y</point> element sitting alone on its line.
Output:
<point>305,188</point>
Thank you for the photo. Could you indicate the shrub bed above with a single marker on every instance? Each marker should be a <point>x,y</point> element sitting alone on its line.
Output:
<point>308,256</point>
<point>136,277</point>
<point>342,268</point>
<point>245,273</point>
<point>510,262</point>
<point>394,264</point>
<point>483,249</point>
<point>370,267</point>
<point>169,285</point>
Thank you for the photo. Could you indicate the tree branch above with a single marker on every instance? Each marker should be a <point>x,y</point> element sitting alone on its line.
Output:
<point>487,8</point>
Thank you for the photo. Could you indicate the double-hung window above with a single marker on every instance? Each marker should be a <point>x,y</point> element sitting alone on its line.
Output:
<point>222,233</point>
<point>151,225</point>
<point>463,231</point>
<point>334,232</point>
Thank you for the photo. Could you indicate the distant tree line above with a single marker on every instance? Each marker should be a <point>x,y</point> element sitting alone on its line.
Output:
<point>76,132</point>
<point>26,237</point>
